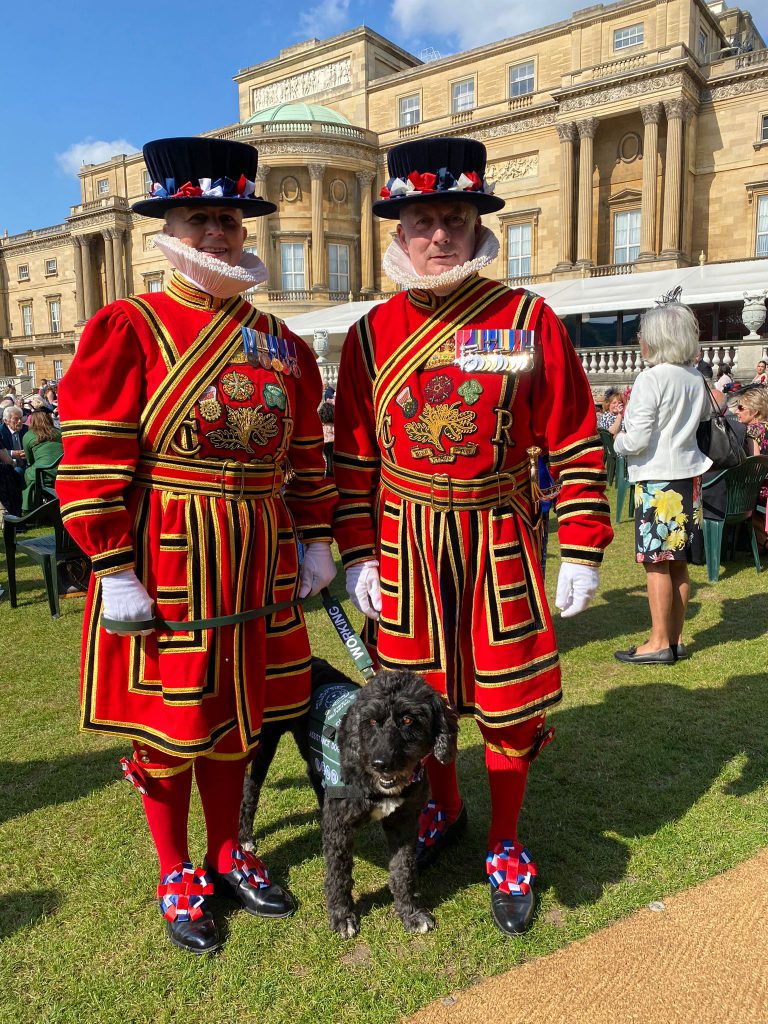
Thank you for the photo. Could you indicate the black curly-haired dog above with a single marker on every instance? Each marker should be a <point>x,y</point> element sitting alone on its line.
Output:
<point>395,722</point>
<point>323,673</point>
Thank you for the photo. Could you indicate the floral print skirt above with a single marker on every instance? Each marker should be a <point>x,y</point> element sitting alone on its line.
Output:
<point>668,521</point>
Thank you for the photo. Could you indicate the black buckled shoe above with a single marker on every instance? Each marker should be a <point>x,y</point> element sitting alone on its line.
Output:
<point>249,884</point>
<point>435,835</point>
<point>189,923</point>
<point>511,872</point>
<point>512,914</point>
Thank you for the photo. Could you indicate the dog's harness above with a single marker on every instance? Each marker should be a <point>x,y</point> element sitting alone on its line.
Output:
<point>329,705</point>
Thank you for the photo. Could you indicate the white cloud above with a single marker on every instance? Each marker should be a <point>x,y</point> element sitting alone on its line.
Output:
<point>92,151</point>
<point>477,21</point>
<point>324,19</point>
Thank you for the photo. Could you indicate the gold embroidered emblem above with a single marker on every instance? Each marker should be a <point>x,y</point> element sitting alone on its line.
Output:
<point>211,409</point>
<point>237,386</point>
<point>243,426</point>
<point>436,422</point>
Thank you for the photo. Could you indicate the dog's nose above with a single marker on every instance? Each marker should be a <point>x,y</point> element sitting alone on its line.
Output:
<point>379,763</point>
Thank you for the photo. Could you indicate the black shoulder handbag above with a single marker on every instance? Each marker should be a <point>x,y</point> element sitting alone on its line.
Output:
<point>715,438</point>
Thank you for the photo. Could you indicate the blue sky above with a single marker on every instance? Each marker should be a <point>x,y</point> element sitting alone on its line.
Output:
<point>79,80</point>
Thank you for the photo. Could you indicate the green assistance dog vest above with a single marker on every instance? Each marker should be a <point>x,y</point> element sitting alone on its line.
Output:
<point>329,705</point>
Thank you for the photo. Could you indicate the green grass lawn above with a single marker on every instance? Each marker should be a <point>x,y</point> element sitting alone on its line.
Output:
<point>656,781</point>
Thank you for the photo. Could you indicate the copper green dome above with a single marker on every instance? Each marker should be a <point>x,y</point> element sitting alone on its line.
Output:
<point>297,112</point>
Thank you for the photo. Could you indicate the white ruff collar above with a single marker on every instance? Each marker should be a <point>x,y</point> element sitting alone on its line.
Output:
<point>209,274</point>
<point>398,267</point>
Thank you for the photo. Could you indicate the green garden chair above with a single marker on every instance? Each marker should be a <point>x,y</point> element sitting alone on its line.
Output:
<point>56,552</point>
<point>616,472</point>
<point>742,486</point>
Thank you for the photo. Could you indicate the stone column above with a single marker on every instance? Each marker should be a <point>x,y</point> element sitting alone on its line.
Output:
<point>567,134</point>
<point>261,227</point>
<point>119,239</point>
<point>678,111</point>
<point>89,284</point>
<point>587,130</point>
<point>650,114</point>
<point>77,243</point>
<point>108,234</point>
<point>319,262</point>
<point>364,179</point>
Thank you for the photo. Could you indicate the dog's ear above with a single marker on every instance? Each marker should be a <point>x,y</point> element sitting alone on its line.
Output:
<point>445,729</point>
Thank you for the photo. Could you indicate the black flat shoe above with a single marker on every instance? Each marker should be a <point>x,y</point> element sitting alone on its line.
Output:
<point>427,855</point>
<point>248,884</point>
<point>512,915</point>
<point>182,894</point>
<point>200,936</point>
<point>665,656</point>
<point>680,651</point>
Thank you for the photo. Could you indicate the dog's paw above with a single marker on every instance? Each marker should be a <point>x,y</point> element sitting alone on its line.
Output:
<point>418,921</point>
<point>345,924</point>
<point>249,846</point>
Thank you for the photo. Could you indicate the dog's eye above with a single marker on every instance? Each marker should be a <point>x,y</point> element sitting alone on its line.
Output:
<point>406,720</point>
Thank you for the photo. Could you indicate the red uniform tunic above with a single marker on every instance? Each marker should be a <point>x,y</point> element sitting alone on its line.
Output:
<point>433,480</point>
<point>184,461</point>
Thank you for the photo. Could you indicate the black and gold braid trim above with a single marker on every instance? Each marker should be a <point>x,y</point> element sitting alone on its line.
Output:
<point>575,450</point>
<point>585,556</point>
<point>108,562</point>
<point>363,553</point>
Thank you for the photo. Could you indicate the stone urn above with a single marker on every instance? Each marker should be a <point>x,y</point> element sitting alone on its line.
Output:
<point>320,344</point>
<point>753,314</point>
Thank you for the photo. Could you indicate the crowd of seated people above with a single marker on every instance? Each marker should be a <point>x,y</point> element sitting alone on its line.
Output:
<point>18,417</point>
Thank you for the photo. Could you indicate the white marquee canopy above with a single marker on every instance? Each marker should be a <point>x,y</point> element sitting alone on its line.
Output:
<point>712,282</point>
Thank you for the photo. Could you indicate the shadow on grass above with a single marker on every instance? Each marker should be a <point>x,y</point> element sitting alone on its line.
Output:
<point>21,909</point>
<point>625,612</point>
<point>629,766</point>
<point>29,785</point>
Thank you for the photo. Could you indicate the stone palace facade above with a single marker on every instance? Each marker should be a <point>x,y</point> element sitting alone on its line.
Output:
<point>632,136</point>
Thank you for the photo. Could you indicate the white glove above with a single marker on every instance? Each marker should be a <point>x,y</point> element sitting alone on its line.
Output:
<point>123,598</point>
<point>576,586</point>
<point>363,587</point>
<point>317,569</point>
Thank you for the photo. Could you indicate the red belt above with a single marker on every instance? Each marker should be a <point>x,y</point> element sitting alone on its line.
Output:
<point>444,493</point>
<point>230,479</point>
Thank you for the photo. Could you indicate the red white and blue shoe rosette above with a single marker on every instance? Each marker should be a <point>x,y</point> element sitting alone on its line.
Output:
<point>253,870</point>
<point>432,824</point>
<point>510,868</point>
<point>182,893</point>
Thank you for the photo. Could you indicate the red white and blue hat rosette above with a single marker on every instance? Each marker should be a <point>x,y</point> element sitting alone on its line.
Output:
<point>438,169</point>
<point>201,172</point>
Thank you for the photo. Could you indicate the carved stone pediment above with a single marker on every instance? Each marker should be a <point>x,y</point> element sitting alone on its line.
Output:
<point>627,197</point>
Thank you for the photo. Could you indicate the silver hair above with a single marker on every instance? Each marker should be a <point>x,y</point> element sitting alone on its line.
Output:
<point>10,410</point>
<point>670,334</point>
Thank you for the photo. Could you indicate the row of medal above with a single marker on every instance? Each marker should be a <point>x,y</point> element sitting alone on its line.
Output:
<point>270,352</point>
<point>494,350</point>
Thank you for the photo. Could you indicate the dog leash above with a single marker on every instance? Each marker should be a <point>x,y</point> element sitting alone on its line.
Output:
<point>352,642</point>
<point>192,625</point>
<point>354,645</point>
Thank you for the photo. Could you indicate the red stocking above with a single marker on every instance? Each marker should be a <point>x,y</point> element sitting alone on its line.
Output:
<point>507,776</point>
<point>221,790</point>
<point>444,787</point>
<point>166,806</point>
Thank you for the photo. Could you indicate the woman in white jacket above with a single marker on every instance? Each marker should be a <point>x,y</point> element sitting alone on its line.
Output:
<point>669,399</point>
